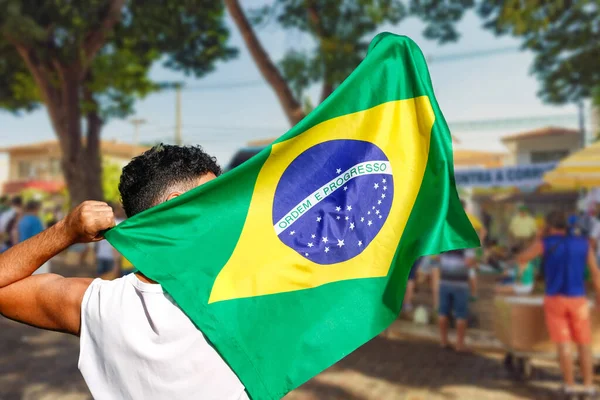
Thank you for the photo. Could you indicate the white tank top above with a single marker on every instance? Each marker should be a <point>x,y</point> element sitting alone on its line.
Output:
<point>137,344</point>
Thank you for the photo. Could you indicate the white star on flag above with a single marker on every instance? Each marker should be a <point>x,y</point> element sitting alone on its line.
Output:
<point>313,236</point>
<point>347,218</point>
<point>338,217</point>
<point>349,208</point>
<point>376,186</point>
<point>380,216</point>
<point>306,254</point>
<point>383,180</point>
<point>362,219</point>
<point>383,196</point>
<point>326,249</point>
<point>338,209</point>
<point>385,188</point>
<point>370,223</point>
<point>373,208</point>
<point>378,201</point>
<point>360,242</point>
<point>351,225</point>
<point>345,188</point>
<point>337,171</point>
<point>325,239</point>
<point>340,243</point>
<point>310,244</point>
<point>368,212</point>
<point>318,219</point>
<point>292,233</point>
<point>377,212</point>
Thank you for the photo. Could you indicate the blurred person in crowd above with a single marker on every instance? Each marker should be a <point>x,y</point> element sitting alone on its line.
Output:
<point>107,258</point>
<point>29,225</point>
<point>407,304</point>
<point>518,280</point>
<point>580,223</point>
<point>522,229</point>
<point>9,220</point>
<point>495,254</point>
<point>110,263</point>
<point>451,270</point>
<point>4,204</point>
<point>135,342</point>
<point>595,234</point>
<point>479,253</point>
<point>565,303</point>
<point>4,207</point>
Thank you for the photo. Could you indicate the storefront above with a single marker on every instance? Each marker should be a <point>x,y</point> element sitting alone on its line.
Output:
<point>495,193</point>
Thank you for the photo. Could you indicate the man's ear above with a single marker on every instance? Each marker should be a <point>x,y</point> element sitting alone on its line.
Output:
<point>171,196</point>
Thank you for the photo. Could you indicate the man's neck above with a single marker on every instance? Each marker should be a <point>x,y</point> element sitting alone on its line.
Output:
<point>143,278</point>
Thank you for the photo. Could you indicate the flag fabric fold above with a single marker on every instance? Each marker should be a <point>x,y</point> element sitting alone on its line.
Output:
<point>300,255</point>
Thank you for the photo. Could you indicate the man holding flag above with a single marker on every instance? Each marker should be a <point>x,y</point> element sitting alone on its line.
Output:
<point>271,273</point>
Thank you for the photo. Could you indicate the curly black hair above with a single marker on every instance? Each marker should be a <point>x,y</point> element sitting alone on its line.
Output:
<point>148,177</point>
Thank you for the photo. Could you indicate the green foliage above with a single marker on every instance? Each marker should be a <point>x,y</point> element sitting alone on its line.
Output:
<point>341,30</point>
<point>563,35</point>
<point>111,174</point>
<point>184,35</point>
<point>34,194</point>
<point>307,105</point>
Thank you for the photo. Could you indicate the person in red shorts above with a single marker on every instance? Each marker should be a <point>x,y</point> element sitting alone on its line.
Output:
<point>566,306</point>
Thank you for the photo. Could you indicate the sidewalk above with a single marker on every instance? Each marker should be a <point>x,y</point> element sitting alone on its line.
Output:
<point>476,339</point>
<point>404,363</point>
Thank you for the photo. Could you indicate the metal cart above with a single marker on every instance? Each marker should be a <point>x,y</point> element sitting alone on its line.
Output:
<point>519,325</point>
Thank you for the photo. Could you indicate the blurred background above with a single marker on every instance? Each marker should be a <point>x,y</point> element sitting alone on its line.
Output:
<point>86,86</point>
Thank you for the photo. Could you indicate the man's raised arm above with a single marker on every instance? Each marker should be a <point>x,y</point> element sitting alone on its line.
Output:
<point>50,301</point>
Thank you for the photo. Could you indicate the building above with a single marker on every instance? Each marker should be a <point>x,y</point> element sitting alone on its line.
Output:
<point>550,144</point>
<point>478,159</point>
<point>38,165</point>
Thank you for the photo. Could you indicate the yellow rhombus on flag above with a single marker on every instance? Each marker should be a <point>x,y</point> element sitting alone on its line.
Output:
<point>297,257</point>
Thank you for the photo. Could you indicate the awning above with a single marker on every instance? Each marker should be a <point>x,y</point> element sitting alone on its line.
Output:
<point>579,170</point>
<point>14,187</point>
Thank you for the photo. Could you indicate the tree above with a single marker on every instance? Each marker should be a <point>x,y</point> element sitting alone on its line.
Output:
<point>87,61</point>
<point>111,174</point>
<point>341,30</point>
<point>563,35</point>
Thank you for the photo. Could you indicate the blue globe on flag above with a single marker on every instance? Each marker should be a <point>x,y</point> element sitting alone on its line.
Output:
<point>337,215</point>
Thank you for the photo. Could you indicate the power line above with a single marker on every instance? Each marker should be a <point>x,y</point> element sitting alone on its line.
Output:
<point>430,59</point>
<point>470,54</point>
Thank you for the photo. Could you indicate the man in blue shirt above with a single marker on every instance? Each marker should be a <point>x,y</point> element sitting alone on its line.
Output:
<point>30,223</point>
<point>565,259</point>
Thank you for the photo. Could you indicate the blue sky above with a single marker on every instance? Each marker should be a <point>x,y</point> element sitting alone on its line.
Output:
<point>494,87</point>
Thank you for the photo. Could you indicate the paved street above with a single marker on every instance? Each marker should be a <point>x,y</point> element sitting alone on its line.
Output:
<point>39,365</point>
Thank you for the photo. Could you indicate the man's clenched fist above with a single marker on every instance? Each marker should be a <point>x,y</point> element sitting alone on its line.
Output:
<point>88,220</point>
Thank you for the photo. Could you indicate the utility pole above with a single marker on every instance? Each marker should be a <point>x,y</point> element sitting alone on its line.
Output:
<point>178,137</point>
<point>581,107</point>
<point>136,122</point>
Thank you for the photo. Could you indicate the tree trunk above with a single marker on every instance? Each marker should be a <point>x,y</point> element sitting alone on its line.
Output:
<point>92,149</point>
<point>291,106</point>
<point>61,88</point>
<point>80,164</point>
<point>326,90</point>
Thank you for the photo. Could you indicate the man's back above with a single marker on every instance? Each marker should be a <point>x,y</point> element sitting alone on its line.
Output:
<point>137,344</point>
<point>564,265</point>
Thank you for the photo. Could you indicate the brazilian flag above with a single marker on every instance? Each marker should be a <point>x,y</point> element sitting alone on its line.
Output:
<point>294,259</point>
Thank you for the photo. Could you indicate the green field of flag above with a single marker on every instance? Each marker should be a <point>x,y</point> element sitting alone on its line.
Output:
<point>299,256</point>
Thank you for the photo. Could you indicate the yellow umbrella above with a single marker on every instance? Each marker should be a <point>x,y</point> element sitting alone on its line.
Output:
<point>579,170</point>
